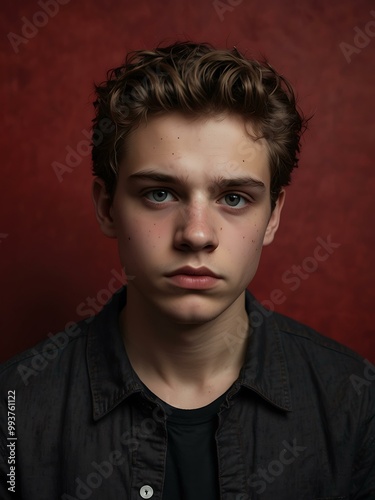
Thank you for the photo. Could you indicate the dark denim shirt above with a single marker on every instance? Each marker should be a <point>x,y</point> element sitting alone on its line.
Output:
<point>299,422</point>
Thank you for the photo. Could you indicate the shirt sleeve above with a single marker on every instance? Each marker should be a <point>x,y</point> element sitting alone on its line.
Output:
<point>363,484</point>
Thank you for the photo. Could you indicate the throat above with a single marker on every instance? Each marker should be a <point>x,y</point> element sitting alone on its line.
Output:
<point>189,398</point>
<point>186,366</point>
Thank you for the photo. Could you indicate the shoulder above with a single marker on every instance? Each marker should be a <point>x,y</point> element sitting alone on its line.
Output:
<point>302,334</point>
<point>297,338</point>
<point>324,358</point>
<point>305,334</point>
<point>335,384</point>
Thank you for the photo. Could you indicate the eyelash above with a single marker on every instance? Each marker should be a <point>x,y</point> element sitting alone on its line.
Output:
<point>245,201</point>
<point>155,191</point>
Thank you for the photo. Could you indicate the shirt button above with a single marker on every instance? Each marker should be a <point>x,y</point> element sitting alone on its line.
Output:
<point>146,491</point>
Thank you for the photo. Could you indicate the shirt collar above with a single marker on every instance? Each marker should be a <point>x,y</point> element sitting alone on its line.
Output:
<point>265,370</point>
<point>112,378</point>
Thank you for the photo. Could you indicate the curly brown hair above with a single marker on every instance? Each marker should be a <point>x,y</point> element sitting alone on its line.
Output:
<point>196,79</point>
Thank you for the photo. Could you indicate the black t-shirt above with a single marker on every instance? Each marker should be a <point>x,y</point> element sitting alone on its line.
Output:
<point>191,469</point>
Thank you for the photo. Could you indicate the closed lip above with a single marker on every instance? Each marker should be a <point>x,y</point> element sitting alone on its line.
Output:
<point>194,271</point>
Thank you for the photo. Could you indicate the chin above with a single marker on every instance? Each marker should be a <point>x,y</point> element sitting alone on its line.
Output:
<point>194,310</point>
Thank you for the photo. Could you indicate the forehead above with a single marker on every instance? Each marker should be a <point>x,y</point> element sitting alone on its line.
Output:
<point>212,146</point>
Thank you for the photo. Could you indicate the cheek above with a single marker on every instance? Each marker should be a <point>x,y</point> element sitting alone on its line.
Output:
<point>139,240</point>
<point>248,238</point>
<point>248,253</point>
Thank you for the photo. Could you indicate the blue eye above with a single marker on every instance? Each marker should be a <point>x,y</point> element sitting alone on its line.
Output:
<point>158,195</point>
<point>234,200</point>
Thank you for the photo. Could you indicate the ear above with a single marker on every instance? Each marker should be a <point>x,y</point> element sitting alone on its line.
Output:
<point>274,221</point>
<point>103,208</point>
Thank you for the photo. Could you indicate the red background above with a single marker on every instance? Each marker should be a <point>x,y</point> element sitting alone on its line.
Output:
<point>54,256</point>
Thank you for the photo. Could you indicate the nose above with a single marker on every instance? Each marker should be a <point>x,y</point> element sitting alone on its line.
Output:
<point>195,228</point>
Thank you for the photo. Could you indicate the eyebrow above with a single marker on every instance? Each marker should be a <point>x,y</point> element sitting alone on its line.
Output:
<point>219,182</point>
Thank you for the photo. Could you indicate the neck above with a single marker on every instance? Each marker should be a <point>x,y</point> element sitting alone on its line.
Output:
<point>200,358</point>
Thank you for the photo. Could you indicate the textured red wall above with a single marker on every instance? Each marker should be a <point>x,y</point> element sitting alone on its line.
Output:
<point>53,257</point>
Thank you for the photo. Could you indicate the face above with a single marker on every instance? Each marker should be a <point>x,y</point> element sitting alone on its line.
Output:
<point>191,213</point>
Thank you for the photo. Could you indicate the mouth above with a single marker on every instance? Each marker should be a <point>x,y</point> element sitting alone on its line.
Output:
<point>199,278</point>
<point>194,271</point>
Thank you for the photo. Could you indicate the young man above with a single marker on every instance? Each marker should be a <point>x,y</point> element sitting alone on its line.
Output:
<point>184,387</point>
